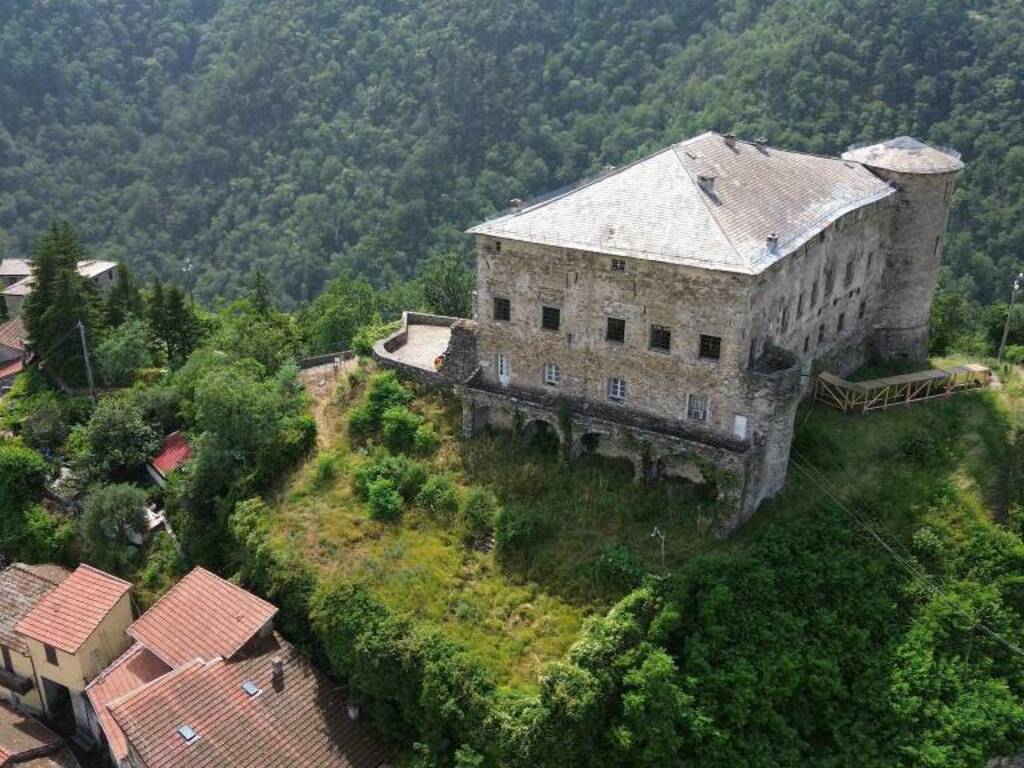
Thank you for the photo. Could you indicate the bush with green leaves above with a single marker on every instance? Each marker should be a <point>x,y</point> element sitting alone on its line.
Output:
<point>111,514</point>
<point>425,441</point>
<point>518,527</point>
<point>43,426</point>
<point>385,500</point>
<point>126,350</point>
<point>399,426</point>
<point>618,569</point>
<point>118,438</point>
<point>476,516</point>
<point>407,475</point>
<point>23,475</point>
<point>439,496</point>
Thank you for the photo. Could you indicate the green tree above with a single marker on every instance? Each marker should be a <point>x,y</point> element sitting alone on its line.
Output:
<point>118,439</point>
<point>111,514</point>
<point>126,350</point>
<point>124,300</point>
<point>448,285</point>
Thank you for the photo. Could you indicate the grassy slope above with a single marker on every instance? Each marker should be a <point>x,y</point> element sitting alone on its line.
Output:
<point>518,615</point>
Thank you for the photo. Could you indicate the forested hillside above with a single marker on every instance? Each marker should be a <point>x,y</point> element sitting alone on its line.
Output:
<point>300,136</point>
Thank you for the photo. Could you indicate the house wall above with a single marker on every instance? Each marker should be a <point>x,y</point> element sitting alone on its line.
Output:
<point>14,304</point>
<point>22,664</point>
<point>689,302</point>
<point>810,328</point>
<point>104,645</point>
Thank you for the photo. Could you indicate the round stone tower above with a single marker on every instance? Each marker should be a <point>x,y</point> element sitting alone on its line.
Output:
<point>923,177</point>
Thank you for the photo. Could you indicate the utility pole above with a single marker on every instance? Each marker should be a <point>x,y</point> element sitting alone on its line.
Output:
<point>1009,314</point>
<point>88,362</point>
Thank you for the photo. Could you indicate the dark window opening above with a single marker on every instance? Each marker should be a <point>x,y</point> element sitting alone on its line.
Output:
<point>51,655</point>
<point>800,305</point>
<point>616,330</point>
<point>550,318</point>
<point>814,293</point>
<point>618,265</point>
<point>807,343</point>
<point>830,279</point>
<point>497,246</point>
<point>711,347</point>
<point>661,338</point>
<point>8,662</point>
<point>785,318</point>
<point>502,309</point>
<point>841,321</point>
<point>848,277</point>
<point>860,311</point>
<point>821,333</point>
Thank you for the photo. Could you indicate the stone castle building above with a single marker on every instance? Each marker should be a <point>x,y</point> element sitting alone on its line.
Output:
<point>673,310</point>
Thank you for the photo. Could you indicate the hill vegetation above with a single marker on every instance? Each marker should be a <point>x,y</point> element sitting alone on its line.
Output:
<point>300,137</point>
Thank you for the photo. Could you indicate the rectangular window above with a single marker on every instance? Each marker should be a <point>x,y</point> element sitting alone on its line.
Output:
<point>848,277</point>
<point>841,322</point>
<point>497,246</point>
<point>711,347</point>
<point>830,279</point>
<point>807,343</point>
<point>552,374</point>
<point>616,389</point>
<point>871,258</point>
<point>618,265</point>
<point>504,368</point>
<point>860,310</point>
<point>616,330</point>
<point>661,338</point>
<point>502,309</point>
<point>697,407</point>
<point>814,293</point>
<point>821,333</point>
<point>800,306</point>
<point>550,318</point>
<point>51,655</point>
<point>785,318</point>
<point>8,663</point>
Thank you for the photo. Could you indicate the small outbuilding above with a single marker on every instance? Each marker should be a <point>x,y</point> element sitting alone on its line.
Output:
<point>174,453</point>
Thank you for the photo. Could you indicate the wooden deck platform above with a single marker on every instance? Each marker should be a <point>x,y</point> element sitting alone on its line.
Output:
<point>879,394</point>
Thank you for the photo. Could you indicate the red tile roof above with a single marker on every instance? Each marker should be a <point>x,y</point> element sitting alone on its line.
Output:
<point>71,612</point>
<point>12,368</point>
<point>297,720</point>
<point>21,588</point>
<point>134,669</point>
<point>203,616</point>
<point>175,452</point>
<point>13,334</point>
<point>28,743</point>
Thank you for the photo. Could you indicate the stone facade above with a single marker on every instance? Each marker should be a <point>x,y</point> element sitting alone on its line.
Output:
<point>697,371</point>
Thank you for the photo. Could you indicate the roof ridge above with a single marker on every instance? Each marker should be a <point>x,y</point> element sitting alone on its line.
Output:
<point>134,650</point>
<point>193,665</point>
<point>703,198</point>
<point>127,584</point>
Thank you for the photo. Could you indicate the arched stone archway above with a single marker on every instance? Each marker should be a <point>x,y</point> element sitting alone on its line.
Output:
<point>685,469</point>
<point>542,433</point>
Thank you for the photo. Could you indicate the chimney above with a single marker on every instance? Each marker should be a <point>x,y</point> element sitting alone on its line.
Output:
<point>707,183</point>
<point>730,140</point>
<point>353,710</point>
<point>761,141</point>
<point>516,203</point>
<point>277,668</point>
<point>773,241</point>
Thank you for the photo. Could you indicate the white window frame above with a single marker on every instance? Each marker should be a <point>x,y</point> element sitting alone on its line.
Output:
<point>704,413</point>
<point>552,374</point>
<point>617,389</point>
<point>504,369</point>
<point>618,265</point>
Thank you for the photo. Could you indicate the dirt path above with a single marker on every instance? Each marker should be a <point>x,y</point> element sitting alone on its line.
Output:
<point>321,383</point>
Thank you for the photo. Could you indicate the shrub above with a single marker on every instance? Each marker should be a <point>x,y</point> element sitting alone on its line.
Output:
<point>43,427</point>
<point>425,441</point>
<point>920,447</point>
<point>439,496</point>
<point>407,475</point>
<point>476,516</point>
<point>399,426</point>
<point>368,335</point>
<point>384,499</point>
<point>361,421</point>
<point>1014,354</point>
<point>22,477</point>
<point>326,470</point>
<point>517,528</point>
<point>618,569</point>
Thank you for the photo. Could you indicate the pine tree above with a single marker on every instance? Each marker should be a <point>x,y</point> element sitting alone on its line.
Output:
<point>179,326</point>
<point>125,299</point>
<point>61,298</point>
<point>259,294</point>
<point>155,314</point>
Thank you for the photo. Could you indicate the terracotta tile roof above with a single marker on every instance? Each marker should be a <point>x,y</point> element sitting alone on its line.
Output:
<point>13,334</point>
<point>175,452</point>
<point>134,669</point>
<point>71,612</point>
<point>657,209</point>
<point>298,720</point>
<point>21,588</point>
<point>27,743</point>
<point>13,368</point>
<point>203,616</point>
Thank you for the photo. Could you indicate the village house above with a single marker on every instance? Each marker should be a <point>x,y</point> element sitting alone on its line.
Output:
<point>16,274</point>
<point>70,635</point>
<point>209,682</point>
<point>672,311</point>
<point>13,351</point>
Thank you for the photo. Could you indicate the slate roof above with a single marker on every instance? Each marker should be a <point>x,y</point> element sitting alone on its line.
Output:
<point>21,288</point>
<point>13,334</point>
<point>298,720</point>
<point>72,611</point>
<point>27,743</point>
<point>21,588</point>
<point>202,616</point>
<point>656,208</point>
<point>906,154</point>
<point>15,267</point>
<point>89,268</point>
<point>174,452</point>
<point>136,667</point>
